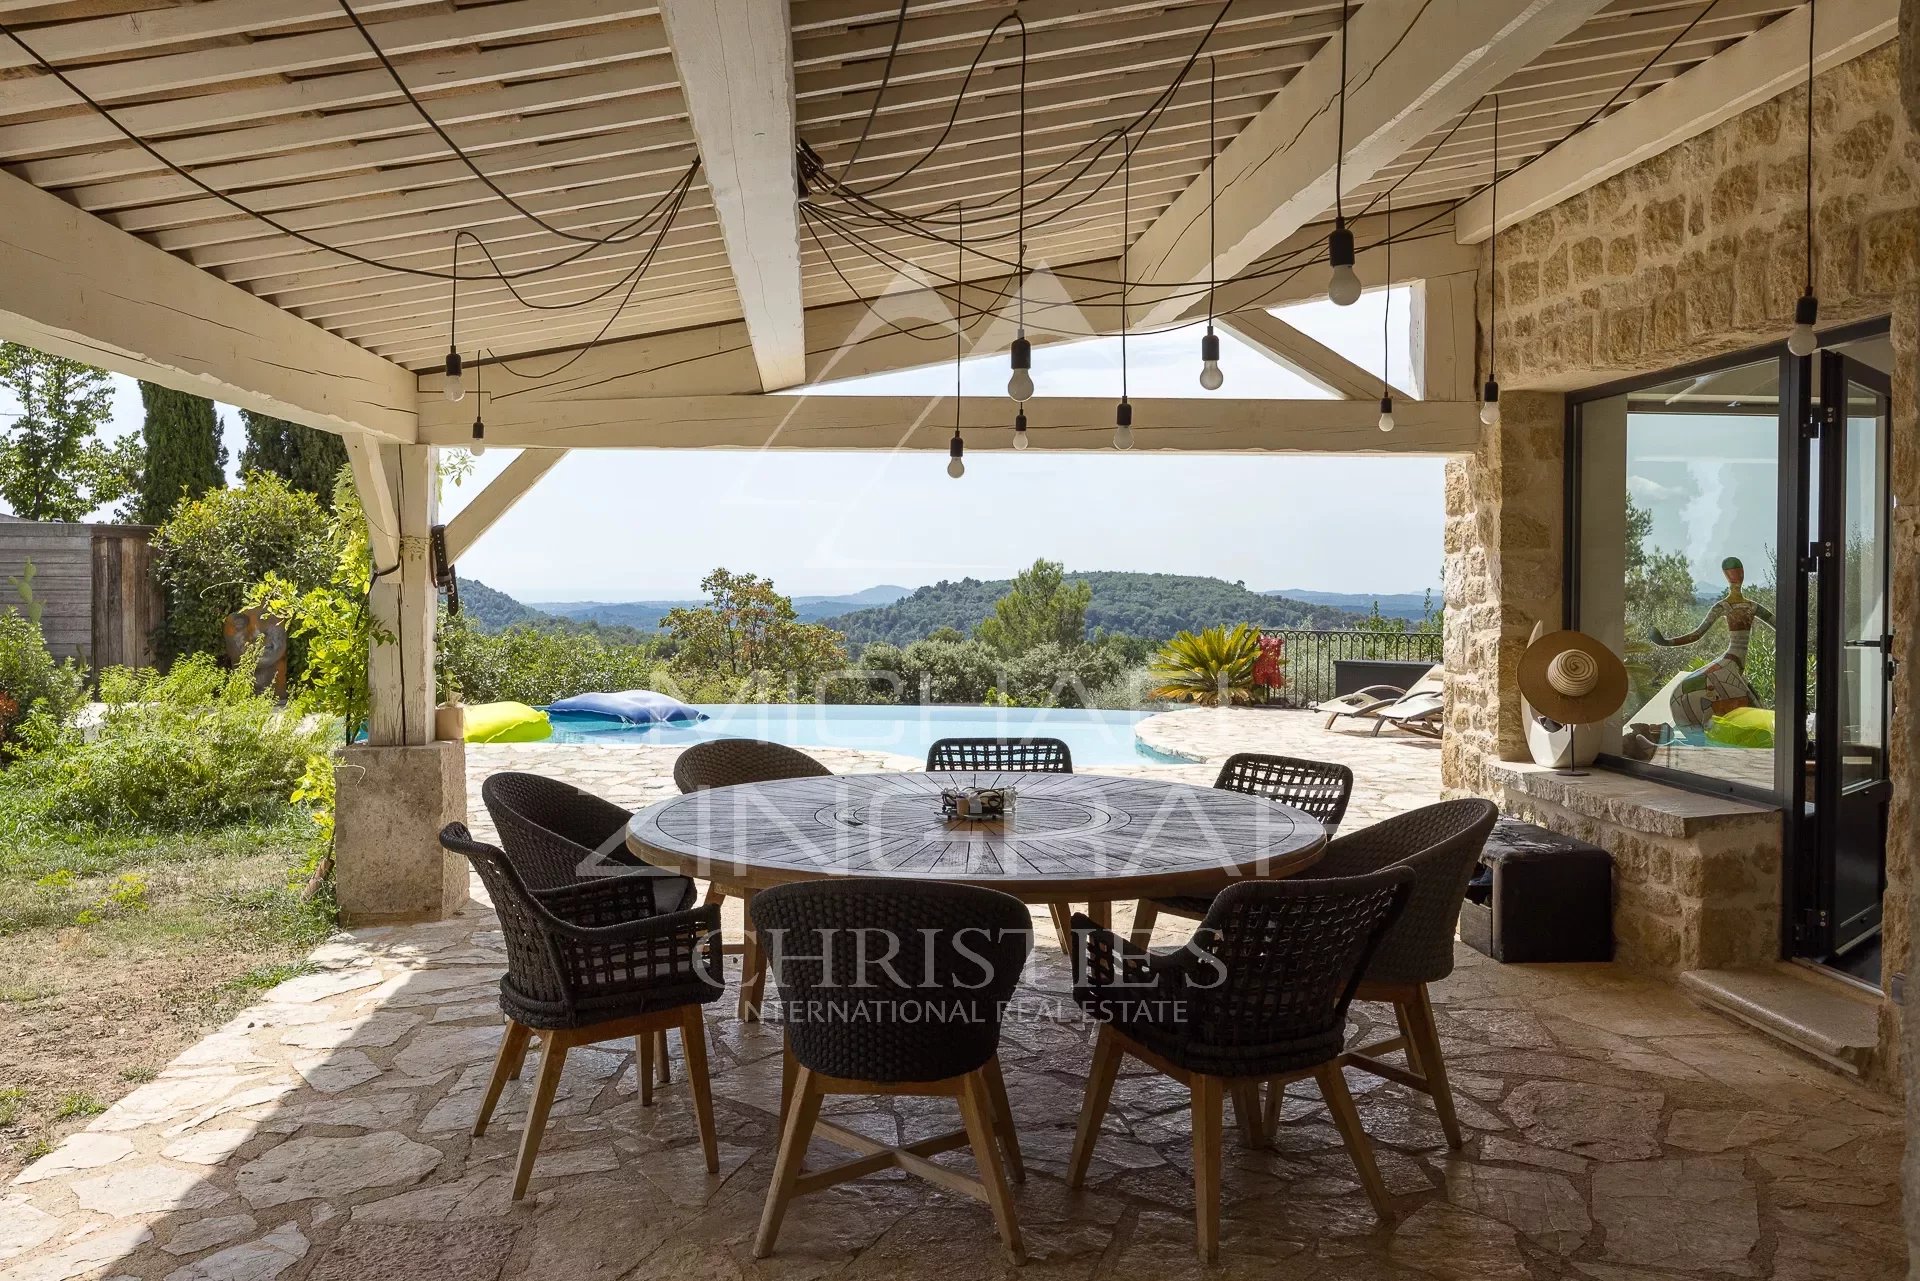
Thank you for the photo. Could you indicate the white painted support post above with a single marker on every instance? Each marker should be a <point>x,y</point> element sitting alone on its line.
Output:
<point>1446,343</point>
<point>400,685</point>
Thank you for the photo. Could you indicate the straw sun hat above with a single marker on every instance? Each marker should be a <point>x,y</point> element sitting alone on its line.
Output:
<point>1572,678</point>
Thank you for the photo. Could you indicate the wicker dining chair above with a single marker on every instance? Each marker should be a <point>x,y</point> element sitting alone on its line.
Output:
<point>592,962</point>
<point>862,1019</point>
<point>1258,998</point>
<point>560,835</point>
<point>726,762</point>
<point>1440,844</point>
<point>999,755</point>
<point>1321,788</point>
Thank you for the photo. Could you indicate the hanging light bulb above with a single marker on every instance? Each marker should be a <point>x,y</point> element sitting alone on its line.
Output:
<point>1343,287</point>
<point>1020,430</point>
<point>1020,385</point>
<point>452,386</point>
<point>956,453</point>
<point>479,444</point>
<point>1386,413</point>
<point>1803,341</point>
<point>1123,426</point>
<point>1210,375</point>
<point>1490,403</point>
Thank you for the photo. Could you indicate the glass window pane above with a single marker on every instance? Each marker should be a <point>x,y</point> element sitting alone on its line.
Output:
<point>1679,520</point>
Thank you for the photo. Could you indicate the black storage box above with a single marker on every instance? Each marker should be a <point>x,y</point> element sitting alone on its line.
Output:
<point>1539,896</point>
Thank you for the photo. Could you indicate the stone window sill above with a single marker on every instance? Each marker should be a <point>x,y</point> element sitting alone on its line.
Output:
<point>1637,804</point>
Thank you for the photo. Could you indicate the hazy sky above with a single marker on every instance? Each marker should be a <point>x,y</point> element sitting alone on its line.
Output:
<point>634,524</point>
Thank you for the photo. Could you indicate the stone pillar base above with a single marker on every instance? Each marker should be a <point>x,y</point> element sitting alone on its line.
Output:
<point>391,803</point>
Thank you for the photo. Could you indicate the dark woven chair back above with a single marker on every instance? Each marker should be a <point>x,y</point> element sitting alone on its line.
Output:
<point>893,980</point>
<point>1321,788</point>
<point>727,762</point>
<point>1002,755</point>
<point>556,833</point>
<point>1441,845</point>
<point>558,976</point>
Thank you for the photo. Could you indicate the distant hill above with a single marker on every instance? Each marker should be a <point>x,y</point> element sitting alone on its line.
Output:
<point>1153,606</point>
<point>1411,605</point>
<point>492,610</point>
<point>647,614</point>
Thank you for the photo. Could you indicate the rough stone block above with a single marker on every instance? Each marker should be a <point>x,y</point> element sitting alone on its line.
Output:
<point>392,803</point>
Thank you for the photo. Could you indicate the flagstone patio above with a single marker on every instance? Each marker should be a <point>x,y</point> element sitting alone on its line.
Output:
<point>1615,1131</point>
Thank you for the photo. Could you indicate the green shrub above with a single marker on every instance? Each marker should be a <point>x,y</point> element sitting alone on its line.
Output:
<point>191,750</point>
<point>1212,667</point>
<point>211,552</point>
<point>30,681</point>
<point>535,664</point>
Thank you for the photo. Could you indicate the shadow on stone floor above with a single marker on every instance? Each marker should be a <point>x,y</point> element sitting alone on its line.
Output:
<point>1615,1131</point>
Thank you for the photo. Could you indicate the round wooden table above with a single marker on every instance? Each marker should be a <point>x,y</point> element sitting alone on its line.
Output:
<point>1071,838</point>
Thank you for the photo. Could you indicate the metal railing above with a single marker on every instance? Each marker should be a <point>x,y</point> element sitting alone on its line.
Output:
<point>1311,656</point>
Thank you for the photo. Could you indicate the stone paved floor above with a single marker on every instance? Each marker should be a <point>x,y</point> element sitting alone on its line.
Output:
<point>1615,1131</point>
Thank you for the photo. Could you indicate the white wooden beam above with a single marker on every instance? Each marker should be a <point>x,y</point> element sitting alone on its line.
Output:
<point>1286,345</point>
<point>1768,63</point>
<point>74,286</point>
<point>735,61</point>
<point>1202,424</point>
<point>1445,333</point>
<point>1412,65</point>
<point>498,498</point>
<point>378,501</point>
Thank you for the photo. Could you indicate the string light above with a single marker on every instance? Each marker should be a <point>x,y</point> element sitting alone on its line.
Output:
<point>1343,286</point>
<point>1210,375</point>
<point>957,448</point>
<point>1020,383</point>
<point>1386,329</point>
<point>1490,394</point>
<point>452,387</point>
<point>1802,341</point>
<point>1020,430</point>
<point>479,445</point>
<point>1123,412</point>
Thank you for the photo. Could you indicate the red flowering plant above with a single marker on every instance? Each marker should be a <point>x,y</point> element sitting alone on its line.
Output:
<point>1270,668</point>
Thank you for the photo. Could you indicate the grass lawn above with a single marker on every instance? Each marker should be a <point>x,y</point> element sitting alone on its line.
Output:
<point>118,952</point>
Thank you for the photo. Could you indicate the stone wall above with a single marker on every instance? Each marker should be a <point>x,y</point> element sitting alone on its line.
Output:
<point>1696,883</point>
<point>1505,527</point>
<point>1693,254</point>
<point>1700,251</point>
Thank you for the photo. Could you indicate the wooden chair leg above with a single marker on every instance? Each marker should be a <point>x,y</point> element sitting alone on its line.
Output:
<point>1093,1108</point>
<point>643,1047</point>
<point>1248,1113</point>
<point>1275,1094</point>
<point>693,1040</point>
<point>661,1063</point>
<point>978,1110</point>
<point>552,1062</point>
<point>1426,1035</point>
<point>1404,1017</point>
<point>1206,1094</point>
<point>1003,1120</point>
<point>1333,1088</point>
<point>506,1066</point>
<point>753,967</point>
<point>1145,913</point>
<point>794,1137</point>
<point>1063,925</point>
<point>789,1068</point>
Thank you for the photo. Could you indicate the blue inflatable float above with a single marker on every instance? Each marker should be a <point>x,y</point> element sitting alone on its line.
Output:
<point>629,706</point>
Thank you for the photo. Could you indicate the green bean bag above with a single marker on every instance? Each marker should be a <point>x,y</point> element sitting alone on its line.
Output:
<point>505,723</point>
<point>1743,727</point>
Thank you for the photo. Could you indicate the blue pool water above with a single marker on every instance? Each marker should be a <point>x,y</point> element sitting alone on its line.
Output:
<point>1094,738</point>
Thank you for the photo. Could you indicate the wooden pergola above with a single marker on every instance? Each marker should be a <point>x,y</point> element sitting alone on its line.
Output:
<point>258,201</point>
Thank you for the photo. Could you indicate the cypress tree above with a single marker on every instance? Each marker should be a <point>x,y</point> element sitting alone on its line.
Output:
<point>305,457</point>
<point>185,456</point>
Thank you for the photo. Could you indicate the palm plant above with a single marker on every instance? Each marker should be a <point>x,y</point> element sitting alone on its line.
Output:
<point>1211,667</point>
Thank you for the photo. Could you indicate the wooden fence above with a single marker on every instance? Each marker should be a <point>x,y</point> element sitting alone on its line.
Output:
<point>93,584</point>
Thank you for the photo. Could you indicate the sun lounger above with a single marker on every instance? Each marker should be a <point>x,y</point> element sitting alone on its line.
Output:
<point>1364,703</point>
<point>1420,710</point>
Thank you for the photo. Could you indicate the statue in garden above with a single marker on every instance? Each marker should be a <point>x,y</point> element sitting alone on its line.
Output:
<point>1691,700</point>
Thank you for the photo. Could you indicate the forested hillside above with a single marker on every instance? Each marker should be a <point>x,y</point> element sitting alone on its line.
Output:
<point>1150,606</point>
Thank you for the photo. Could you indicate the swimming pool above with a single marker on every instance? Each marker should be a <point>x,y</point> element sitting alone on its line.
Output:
<point>1094,738</point>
